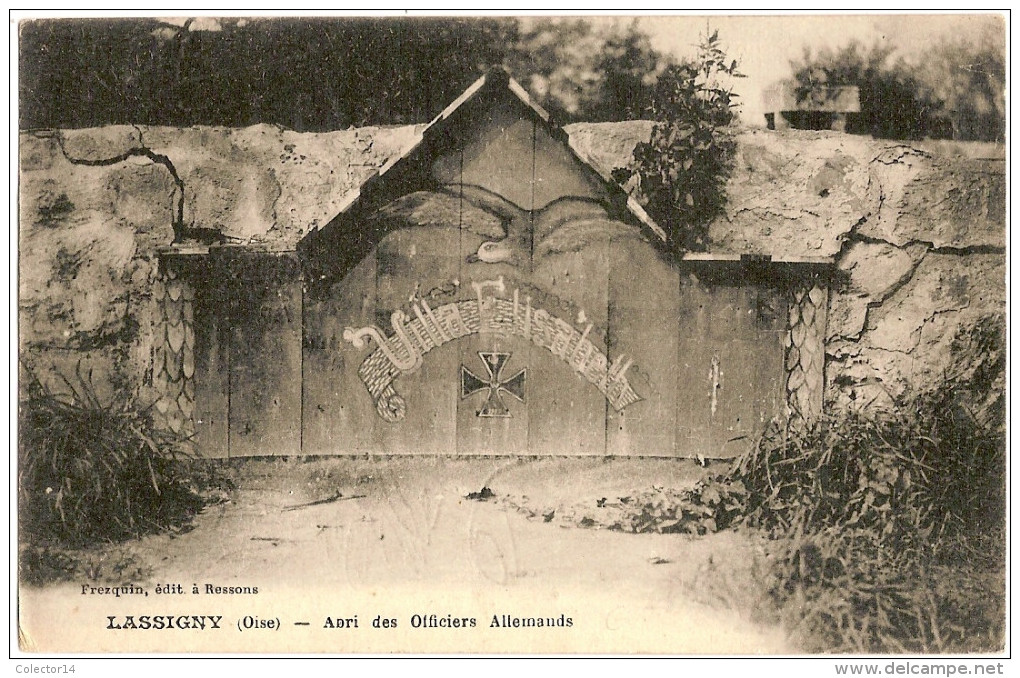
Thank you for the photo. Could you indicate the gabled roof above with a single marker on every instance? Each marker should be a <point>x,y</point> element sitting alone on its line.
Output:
<point>496,81</point>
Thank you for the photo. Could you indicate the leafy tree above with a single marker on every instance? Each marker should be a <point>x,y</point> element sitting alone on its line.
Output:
<point>967,81</point>
<point>307,74</point>
<point>72,73</point>
<point>681,172</point>
<point>318,74</point>
<point>629,66</point>
<point>580,72</point>
<point>549,61</point>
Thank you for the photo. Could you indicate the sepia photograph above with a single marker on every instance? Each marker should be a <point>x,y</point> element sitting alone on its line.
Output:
<point>472,335</point>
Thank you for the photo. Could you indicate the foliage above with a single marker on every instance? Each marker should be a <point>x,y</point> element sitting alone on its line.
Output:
<point>305,74</point>
<point>629,67</point>
<point>978,371</point>
<point>892,102</point>
<point>711,505</point>
<point>887,528</point>
<point>915,472</point>
<point>955,90</point>
<point>842,590</point>
<point>93,471</point>
<point>966,80</point>
<point>315,74</point>
<point>932,467</point>
<point>580,72</point>
<point>681,172</point>
<point>42,564</point>
<point>881,522</point>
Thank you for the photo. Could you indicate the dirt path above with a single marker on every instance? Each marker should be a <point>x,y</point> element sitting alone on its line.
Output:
<point>395,538</point>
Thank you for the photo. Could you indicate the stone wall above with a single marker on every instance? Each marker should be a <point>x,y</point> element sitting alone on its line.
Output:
<point>919,235</point>
<point>918,231</point>
<point>95,205</point>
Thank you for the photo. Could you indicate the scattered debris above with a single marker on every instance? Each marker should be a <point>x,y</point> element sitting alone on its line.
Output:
<point>708,506</point>
<point>329,500</point>
<point>482,495</point>
<point>275,541</point>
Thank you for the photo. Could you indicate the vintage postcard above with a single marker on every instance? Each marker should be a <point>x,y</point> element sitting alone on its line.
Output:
<point>672,335</point>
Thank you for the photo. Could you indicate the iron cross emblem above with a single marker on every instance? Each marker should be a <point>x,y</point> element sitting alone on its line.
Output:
<point>494,384</point>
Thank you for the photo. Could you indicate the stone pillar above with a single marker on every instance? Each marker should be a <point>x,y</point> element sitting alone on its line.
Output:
<point>805,350</point>
<point>174,353</point>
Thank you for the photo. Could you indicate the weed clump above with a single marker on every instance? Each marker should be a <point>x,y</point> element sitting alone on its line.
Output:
<point>91,471</point>
<point>888,527</point>
<point>927,469</point>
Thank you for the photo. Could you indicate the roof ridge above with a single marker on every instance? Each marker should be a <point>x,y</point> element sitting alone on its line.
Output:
<point>500,78</point>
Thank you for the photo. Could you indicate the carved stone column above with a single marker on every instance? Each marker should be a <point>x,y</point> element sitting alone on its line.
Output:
<point>174,353</point>
<point>805,350</point>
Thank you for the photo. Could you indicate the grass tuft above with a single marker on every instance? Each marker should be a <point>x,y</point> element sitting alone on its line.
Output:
<point>888,528</point>
<point>93,471</point>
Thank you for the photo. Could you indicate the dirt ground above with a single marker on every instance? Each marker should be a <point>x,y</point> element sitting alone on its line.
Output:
<point>397,537</point>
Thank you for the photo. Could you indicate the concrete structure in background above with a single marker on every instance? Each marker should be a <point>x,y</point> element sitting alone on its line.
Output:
<point>788,104</point>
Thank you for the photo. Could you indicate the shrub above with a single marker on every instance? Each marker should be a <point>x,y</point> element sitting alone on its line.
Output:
<point>925,469</point>
<point>711,505</point>
<point>842,590</point>
<point>889,527</point>
<point>93,471</point>
<point>682,171</point>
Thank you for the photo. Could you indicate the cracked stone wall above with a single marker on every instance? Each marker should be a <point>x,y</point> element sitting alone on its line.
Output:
<point>923,261</point>
<point>918,232</point>
<point>95,204</point>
